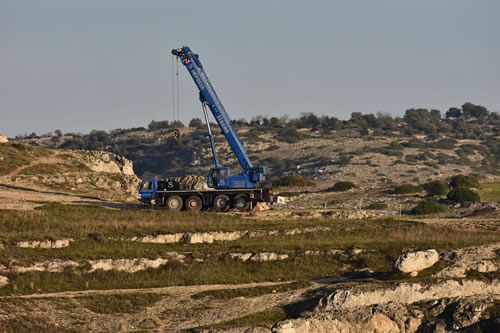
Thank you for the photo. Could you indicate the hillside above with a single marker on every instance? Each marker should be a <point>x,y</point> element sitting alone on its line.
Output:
<point>76,256</point>
<point>91,174</point>
<point>369,148</point>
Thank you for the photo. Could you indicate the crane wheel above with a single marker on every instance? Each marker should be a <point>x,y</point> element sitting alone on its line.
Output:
<point>241,202</point>
<point>193,203</point>
<point>222,203</point>
<point>174,202</point>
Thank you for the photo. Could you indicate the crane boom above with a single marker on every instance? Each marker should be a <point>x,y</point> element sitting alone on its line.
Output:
<point>219,177</point>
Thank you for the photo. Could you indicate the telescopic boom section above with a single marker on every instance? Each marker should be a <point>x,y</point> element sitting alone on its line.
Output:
<point>208,96</point>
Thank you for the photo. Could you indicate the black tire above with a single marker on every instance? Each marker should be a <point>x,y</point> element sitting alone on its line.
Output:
<point>174,202</point>
<point>241,202</point>
<point>221,203</point>
<point>193,203</point>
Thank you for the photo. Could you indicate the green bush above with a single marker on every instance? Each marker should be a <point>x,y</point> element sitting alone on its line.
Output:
<point>293,181</point>
<point>436,188</point>
<point>290,135</point>
<point>444,144</point>
<point>341,186</point>
<point>428,207</point>
<point>464,181</point>
<point>407,189</point>
<point>463,194</point>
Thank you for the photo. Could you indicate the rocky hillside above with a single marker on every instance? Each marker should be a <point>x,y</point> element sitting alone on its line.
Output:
<point>368,148</point>
<point>101,175</point>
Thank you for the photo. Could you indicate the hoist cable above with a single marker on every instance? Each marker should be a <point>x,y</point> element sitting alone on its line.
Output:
<point>177,74</point>
<point>173,90</point>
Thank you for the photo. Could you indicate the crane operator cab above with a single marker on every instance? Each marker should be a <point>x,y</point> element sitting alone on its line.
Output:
<point>219,177</point>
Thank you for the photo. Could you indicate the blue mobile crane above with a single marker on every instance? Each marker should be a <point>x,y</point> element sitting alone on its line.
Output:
<point>238,191</point>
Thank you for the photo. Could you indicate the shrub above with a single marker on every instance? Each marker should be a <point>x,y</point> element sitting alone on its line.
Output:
<point>293,181</point>
<point>444,144</point>
<point>342,186</point>
<point>407,189</point>
<point>436,188</point>
<point>464,181</point>
<point>290,135</point>
<point>463,194</point>
<point>428,207</point>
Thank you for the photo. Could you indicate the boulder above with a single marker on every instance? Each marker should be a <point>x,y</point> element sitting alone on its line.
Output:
<point>3,138</point>
<point>412,262</point>
<point>264,256</point>
<point>260,206</point>
<point>240,256</point>
<point>3,281</point>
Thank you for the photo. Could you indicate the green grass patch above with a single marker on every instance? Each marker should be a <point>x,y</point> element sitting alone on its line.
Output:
<point>120,303</point>
<point>225,294</point>
<point>490,192</point>
<point>92,226</point>
<point>15,155</point>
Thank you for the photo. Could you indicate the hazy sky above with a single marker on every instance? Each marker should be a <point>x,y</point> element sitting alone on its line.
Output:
<point>105,64</point>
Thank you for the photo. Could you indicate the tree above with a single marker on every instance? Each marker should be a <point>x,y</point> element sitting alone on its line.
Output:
<point>330,123</point>
<point>474,111</point>
<point>463,194</point>
<point>308,120</point>
<point>436,188</point>
<point>196,123</point>
<point>157,125</point>
<point>453,112</point>
<point>464,181</point>
<point>423,120</point>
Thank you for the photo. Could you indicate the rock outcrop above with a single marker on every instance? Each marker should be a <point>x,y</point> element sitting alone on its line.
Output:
<point>413,262</point>
<point>448,306</point>
<point>125,265</point>
<point>45,244</point>
<point>3,138</point>
<point>54,266</point>
<point>260,257</point>
<point>211,236</point>
<point>99,161</point>
<point>467,259</point>
<point>406,293</point>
